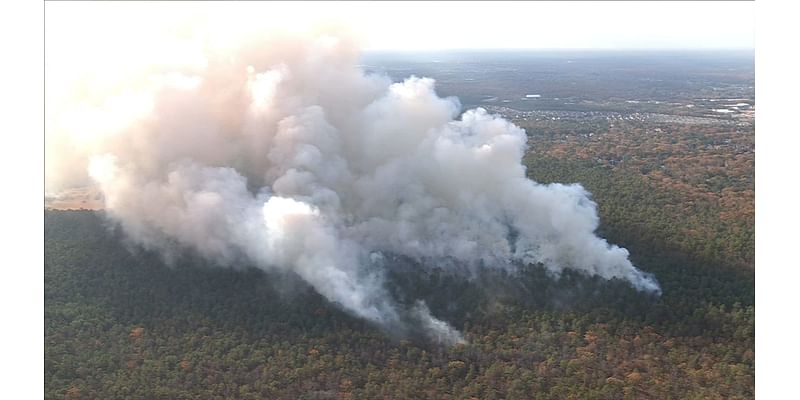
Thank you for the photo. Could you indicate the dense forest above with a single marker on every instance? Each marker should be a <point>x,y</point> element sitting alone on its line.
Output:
<point>683,186</point>
<point>121,324</point>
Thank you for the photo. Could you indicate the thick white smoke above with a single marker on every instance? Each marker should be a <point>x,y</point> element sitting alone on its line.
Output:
<point>284,154</point>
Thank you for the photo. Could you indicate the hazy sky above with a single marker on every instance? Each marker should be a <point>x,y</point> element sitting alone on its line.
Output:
<point>441,25</point>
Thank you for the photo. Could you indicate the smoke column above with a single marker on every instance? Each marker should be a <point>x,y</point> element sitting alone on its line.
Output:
<point>281,153</point>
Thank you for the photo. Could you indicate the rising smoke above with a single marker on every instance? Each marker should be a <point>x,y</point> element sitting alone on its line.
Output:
<point>282,153</point>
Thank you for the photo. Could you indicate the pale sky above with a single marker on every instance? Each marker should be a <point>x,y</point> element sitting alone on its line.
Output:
<point>444,25</point>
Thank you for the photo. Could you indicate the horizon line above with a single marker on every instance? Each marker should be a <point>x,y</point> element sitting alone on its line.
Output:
<point>557,49</point>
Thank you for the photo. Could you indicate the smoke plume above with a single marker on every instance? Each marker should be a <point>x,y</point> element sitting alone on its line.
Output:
<point>283,154</point>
